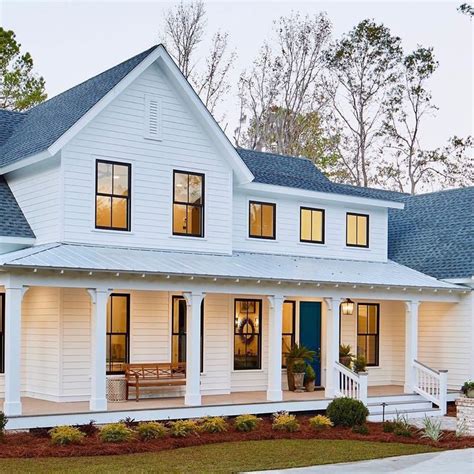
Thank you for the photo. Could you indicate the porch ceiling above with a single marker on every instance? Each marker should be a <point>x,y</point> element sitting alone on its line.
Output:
<point>243,265</point>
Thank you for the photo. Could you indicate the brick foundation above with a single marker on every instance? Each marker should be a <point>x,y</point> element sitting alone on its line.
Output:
<point>465,415</point>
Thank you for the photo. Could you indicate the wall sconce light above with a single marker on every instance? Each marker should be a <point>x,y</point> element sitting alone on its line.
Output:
<point>347,307</point>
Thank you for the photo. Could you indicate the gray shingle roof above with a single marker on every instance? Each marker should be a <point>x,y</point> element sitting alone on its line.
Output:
<point>45,123</point>
<point>9,120</point>
<point>434,234</point>
<point>12,220</point>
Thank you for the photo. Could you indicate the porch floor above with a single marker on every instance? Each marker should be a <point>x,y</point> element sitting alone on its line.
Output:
<point>34,406</point>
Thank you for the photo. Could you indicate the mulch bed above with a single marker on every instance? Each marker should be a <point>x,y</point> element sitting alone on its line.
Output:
<point>38,444</point>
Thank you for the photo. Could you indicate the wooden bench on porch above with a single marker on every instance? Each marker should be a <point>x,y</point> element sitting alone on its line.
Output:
<point>151,375</point>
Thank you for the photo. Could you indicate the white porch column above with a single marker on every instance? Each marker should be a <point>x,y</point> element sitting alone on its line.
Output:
<point>193,348</point>
<point>99,298</point>
<point>13,299</point>
<point>274,391</point>
<point>332,344</point>
<point>411,343</point>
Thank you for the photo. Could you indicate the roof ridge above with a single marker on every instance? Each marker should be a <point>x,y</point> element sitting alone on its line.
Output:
<point>277,154</point>
<point>441,191</point>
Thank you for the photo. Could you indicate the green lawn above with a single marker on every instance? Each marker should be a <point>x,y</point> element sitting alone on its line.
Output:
<point>224,457</point>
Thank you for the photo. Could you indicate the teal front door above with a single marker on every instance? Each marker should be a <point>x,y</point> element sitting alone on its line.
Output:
<point>310,332</point>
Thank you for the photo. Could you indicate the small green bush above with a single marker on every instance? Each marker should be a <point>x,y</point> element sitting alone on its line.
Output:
<point>360,429</point>
<point>283,421</point>
<point>320,422</point>
<point>151,430</point>
<point>64,435</point>
<point>116,433</point>
<point>402,431</point>
<point>432,429</point>
<point>213,424</point>
<point>3,423</point>
<point>401,426</point>
<point>347,412</point>
<point>183,428</point>
<point>389,426</point>
<point>246,423</point>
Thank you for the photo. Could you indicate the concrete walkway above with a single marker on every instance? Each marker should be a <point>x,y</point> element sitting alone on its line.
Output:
<point>460,461</point>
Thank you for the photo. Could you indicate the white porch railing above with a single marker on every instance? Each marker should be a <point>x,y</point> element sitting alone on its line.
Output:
<point>431,384</point>
<point>350,384</point>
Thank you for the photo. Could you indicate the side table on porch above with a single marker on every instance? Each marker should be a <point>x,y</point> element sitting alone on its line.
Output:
<point>116,388</point>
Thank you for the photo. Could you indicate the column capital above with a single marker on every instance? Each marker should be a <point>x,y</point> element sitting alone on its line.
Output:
<point>193,297</point>
<point>411,305</point>
<point>93,292</point>
<point>332,301</point>
<point>275,299</point>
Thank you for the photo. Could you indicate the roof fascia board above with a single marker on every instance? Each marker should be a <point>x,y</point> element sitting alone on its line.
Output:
<point>31,160</point>
<point>321,196</point>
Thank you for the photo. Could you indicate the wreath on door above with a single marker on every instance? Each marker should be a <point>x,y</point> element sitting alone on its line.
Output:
<point>246,338</point>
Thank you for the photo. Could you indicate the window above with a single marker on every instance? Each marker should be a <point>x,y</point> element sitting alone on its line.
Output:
<point>368,332</point>
<point>262,220</point>
<point>178,331</point>
<point>247,337</point>
<point>118,326</point>
<point>2,334</point>
<point>288,330</point>
<point>188,204</point>
<point>357,230</point>
<point>312,225</point>
<point>112,201</point>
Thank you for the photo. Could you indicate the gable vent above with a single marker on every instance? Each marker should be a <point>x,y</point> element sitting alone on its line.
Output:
<point>153,119</point>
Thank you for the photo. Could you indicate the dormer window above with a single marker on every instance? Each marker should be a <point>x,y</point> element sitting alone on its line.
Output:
<point>112,202</point>
<point>357,230</point>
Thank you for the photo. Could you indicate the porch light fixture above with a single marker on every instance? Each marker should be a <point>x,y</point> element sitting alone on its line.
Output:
<point>347,307</point>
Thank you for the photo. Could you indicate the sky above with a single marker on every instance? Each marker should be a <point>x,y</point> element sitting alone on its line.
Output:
<point>71,41</point>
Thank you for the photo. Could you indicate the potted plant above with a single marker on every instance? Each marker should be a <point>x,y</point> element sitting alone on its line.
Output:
<point>299,369</point>
<point>468,388</point>
<point>309,378</point>
<point>345,355</point>
<point>359,364</point>
<point>296,353</point>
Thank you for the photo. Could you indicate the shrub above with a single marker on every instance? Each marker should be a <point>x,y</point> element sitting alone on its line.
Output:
<point>214,424</point>
<point>246,423</point>
<point>283,421</point>
<point>359,364</point>
<point>151,430</point>
<point>401,426</point>
<point>403,431</point>
<point>360,429</point>
<point>310,374</point>
<point>347,412</point>
<point>389,426</point>
<point>432,429</point>
<point>129,422</point>
<point>320,422</point>
<point>116,433</point>
<point>183,428</point>
<point>89,430</point>
<point>3,423</point>
<point>64,435</point>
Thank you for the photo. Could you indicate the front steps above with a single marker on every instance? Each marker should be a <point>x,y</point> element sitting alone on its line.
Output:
<point>409,405</point>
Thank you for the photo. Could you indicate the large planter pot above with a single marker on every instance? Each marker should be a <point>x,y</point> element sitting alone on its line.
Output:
<point>470,393</point>
<point>346,361</point>
<point>309,386</point>
<point>299,381</point>
<point>289,373</point>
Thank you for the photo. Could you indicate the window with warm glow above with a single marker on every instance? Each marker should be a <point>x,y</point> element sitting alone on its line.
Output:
<point>118,323</point>
<point>262,220</point>
<point>357,230</point>
<point>112,208</point>
<point>368,332</point>
<point>288,330</point>
<point>312,225</point>
<point>247,334</point>
<point>188,204</point>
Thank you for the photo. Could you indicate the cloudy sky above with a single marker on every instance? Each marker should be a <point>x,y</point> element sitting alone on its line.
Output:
<point>73,40</point>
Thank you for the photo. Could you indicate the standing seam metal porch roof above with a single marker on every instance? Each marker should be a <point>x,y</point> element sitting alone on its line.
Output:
<point>239,265</point>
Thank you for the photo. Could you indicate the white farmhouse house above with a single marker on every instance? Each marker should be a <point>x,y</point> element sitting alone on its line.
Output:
<point>133,232</point>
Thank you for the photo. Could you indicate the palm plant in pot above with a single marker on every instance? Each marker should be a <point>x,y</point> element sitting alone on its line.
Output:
<point>345,355</point>
<point>299,370</point>
<point>295,354</point>
<point>309,378</point>
<point>468,389</point>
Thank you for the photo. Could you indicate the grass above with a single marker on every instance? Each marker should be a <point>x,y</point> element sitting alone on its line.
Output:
<point>223,457</point>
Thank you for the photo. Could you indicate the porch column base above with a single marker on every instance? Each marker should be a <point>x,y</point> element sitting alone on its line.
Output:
<point>408,389</point>
<point>12,408</point>
<point>98,404</point>
<point>192,399</point>
<point>329,392</point>
<point>274,395</point>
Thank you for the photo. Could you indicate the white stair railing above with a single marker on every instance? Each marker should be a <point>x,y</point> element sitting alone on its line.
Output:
<point>431,384</point>
<point>350,384</point>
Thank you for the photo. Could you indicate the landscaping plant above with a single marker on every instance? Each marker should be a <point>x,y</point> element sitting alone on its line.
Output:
<point>151,430</point>
<point>309,378</point>
<point>402,427</point>
<point>359,364</point>
<point>3,423</point>
<point>89,430</point>
<point>116,433</point>
<point>360,429</point>
<point>213,424</point>
<point>468,388</point>
<point>246,423</point>
<point>297,353</point>
<point>183,428</point>
<point>64,435</point>
<point>432,429</point>
<point>347,412</point>
<point>345,355</point>
<point>461,429</point>
<point>283,421</point>
<point>320,422</point>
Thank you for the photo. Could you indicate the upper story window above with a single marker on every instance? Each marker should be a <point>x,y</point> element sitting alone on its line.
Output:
<point>312,225</point>
<point>188,204</point>
<point>357,230</point>
<point>262,218</point>
<point>113,187</point>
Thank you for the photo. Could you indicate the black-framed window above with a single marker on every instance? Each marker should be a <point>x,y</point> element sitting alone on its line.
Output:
<point>368,332</point>
<point>118,332</point>
<point>357,230</point>
<point>247,334</point>
<point>312,225</point>
<point>188,204</point>
<point>288,329</point>
<point>262,220</point>
<point>178,331</point>
<point>2,335</point>
<point>113,195</point>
